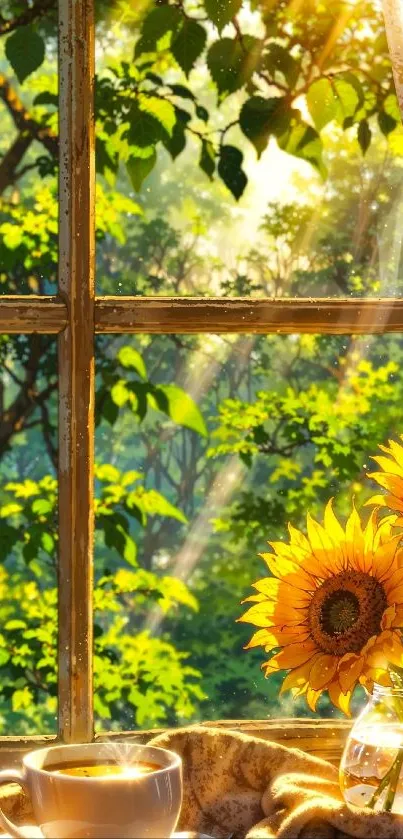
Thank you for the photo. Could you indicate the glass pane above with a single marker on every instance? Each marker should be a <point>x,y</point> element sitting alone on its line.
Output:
<point>206,447</point>
<point>257,154</point>
<point>28,149</point>
<point>28,534</point>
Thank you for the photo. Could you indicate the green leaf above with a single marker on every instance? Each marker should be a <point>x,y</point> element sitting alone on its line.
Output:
<point>107,472</point>
<point>183,410</point>
<point>41,506</point>
<point>391,107</point>
<point>145,128</point>
<point>207,158</point>
<point>303,141</point>
<point>177,142</point>
<point>189,45</point>
<point>104,158</point>
<point>221,12</point>
<point>25,50</point>
<point>182,91</point>
<point>229,169</point>
<point>349,94</point>
<point>4,657</point>
<point>139,168</point>
<point>159,21</point>
<point>154,504</point>
<point>116,536</point>
<point>322,103</point>
<point>387,123</point>
<point>259,118</point>
<point>120,393</point>
<point>131,358</point>
<point>12,625</point>
<point>364,135</point>
<point>46,98</point>
<point>202,113</point>
<point>279,59</point>
<point>47,542</point>
<point>161,109</point>
<point>232,64</point>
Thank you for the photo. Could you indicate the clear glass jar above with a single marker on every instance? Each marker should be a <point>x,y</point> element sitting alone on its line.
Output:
<point>371,766</point>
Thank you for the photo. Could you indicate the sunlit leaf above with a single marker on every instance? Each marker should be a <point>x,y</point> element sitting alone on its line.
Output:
<point>131,358</point>
<point>183,409</point>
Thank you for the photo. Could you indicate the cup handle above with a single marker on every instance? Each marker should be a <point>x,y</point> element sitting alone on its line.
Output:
<point>12,776</point>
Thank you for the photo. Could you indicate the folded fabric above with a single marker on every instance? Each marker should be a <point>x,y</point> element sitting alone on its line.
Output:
<point>239,786</point>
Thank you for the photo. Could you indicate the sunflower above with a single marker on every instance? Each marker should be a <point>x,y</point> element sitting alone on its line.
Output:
<point>390,478</point>
<point>332,611</point>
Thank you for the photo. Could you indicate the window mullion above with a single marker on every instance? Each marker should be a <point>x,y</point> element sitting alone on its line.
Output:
<point>76,368</point>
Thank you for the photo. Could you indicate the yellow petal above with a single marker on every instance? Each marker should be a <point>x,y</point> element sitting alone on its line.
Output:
<point>323,671</point>
<point>393,586</point>
<point>291,656</point>
<point>298,538</point>
<point>286,569</point>
<point>333,525</point>
<point>350,669</point>
<point>269,613</point>
<point>379,500</point>
<point>298,677</point>
<point>390,482</point>
<point>395,450</point>
<point>388,465</point>
<point>388,617</point>
<point>322,545</point>
<point>355,542</point>
<point>339,699</point>
<point>283,592</point>
<point>393,649</point>
<point>398,617</point>
<point>384,558</point>
<point>270,638</point>
<point>269,586</point>
<point>312,697</point>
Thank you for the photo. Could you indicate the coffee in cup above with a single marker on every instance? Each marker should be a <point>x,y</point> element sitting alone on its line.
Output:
<point>100,791</point>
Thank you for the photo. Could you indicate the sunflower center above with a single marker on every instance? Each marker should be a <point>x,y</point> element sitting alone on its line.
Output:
<point>346,611</point>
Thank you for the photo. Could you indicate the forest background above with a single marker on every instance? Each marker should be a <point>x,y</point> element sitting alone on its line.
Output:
<point>247,149</point>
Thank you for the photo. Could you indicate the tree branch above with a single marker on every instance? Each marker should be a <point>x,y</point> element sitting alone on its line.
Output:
<point>37,10</point>
<point>23,120</point>
<point>12,159</point>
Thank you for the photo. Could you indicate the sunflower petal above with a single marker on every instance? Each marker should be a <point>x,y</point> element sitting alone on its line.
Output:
<point>297,678</point>
<point>323,671</point>
<point>394,587</point>
<point>388,465</point>
<point>291,656</point>
<point>350,669</point>
<point>355,545</point>
<point>312,697</point>
<point>339,699</point>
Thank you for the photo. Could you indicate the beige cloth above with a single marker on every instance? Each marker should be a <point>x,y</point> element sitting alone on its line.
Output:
<point>241,786</point>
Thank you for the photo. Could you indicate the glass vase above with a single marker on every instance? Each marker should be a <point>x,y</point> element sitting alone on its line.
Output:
<point>371,766</point>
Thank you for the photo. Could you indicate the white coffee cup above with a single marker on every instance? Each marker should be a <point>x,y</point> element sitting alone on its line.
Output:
<point>121,806</point>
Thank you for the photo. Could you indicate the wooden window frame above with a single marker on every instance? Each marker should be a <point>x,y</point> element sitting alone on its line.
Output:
<point>75,315</point>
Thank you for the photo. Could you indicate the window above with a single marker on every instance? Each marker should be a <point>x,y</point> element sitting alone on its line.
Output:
<point>76,315</point>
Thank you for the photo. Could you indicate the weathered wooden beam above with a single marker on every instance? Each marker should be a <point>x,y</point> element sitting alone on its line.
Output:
<point>76,368</point>
<point>161,315</point>
<point>32,314</point>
